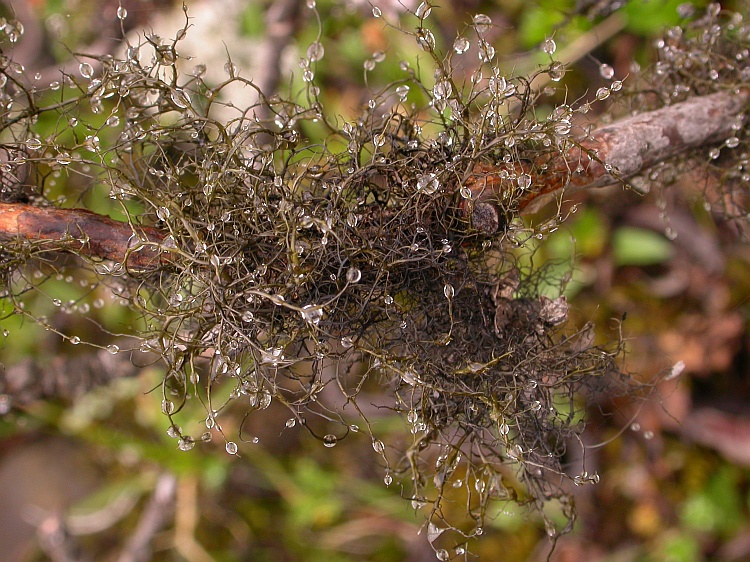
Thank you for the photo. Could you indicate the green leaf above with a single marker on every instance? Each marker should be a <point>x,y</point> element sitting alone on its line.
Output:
<point>716,508</point>
<point>638,246</point>
<point>649,17</point>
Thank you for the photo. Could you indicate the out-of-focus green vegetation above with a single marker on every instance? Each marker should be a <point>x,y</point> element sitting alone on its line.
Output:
<point>286,497</point>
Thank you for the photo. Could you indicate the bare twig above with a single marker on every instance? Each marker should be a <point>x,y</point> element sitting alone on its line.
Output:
<point>56,542</point>
<point>83,232</point>
<point>159,509</point>
<point>281,21</point>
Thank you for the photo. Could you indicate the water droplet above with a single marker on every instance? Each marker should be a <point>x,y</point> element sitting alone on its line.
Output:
<point>461,45</point>
<point>606,71</point>
<point>311,4</point>
<point>504,429</point>
<point>352,219</point>
<point>602,94</point>
<point>122,13</point>
<point>378,445</point>
<point>549,46</point>
<point>347,342</point>
<point>482,23</point>
<point>312,314</point>
<point>388,299</point>
<point>186,443</point>
<point>167,407</point>
<point>732,142</point>
<point>442,554</point>
<point>63,159</point>
<point>353,275</point>
<point>442,89</point>
<point>330,440</point>
<point>556,71</point>
<point>486,52</point>
<point>5,404</point>
<point>428,184</point>
<point>524,181</point>
<point>387,479</point>
<point>34,144</point>
<point>291,422</point>
<point>433,532</point>
<point>113,349</point>
<point>686,10</point>
<point>315,51</point>
<point>410,377</point>
<point>425,39</point>
<point>230,68</point>
<point>86,70</point>
<point>377,12</point>
<point>448,291</point>
<point>231,447</point>
<point>675,371</point>
<point>423,10</point>
<point>264,400</point>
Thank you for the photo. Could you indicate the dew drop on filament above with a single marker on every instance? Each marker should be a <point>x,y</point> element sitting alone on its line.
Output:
<point>353,275</point>
<point>461,45</point>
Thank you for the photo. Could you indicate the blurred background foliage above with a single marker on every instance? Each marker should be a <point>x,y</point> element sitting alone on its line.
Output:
<point>78,477</point>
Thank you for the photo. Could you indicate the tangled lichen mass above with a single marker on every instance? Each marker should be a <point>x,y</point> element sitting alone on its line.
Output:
<point>385,255</point>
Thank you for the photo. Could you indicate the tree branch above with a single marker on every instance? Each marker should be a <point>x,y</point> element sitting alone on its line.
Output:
<point>610,154</point>
<point>619,151</point>
<point>84,232</point>
<point>153,519</point>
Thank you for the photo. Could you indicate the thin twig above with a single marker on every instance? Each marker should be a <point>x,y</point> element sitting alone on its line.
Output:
<point>281,21</point>
<point>159,509</point>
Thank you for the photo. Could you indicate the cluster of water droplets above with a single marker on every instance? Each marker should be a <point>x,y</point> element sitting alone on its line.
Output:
<point>709,53</point>
<point>286,270</point>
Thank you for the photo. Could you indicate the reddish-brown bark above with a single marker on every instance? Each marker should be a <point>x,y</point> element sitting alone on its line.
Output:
<point>83,232</point>
<point>618,151</point>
